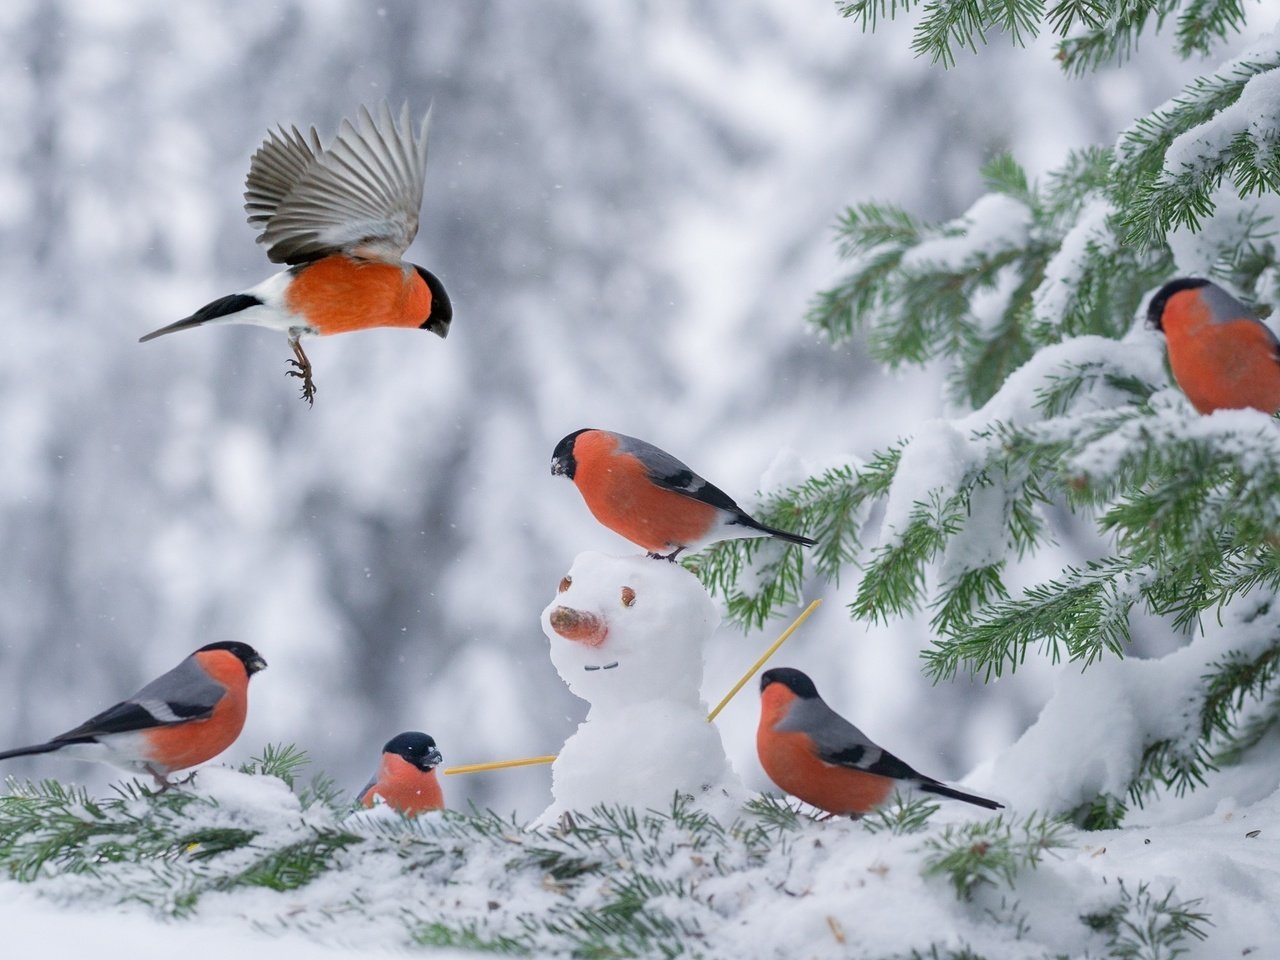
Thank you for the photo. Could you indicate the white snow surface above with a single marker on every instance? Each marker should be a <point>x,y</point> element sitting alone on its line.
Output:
<point>1253,116</point>
<point>1062,273</point>
<point>994,223</point>
<point>942,454</point>
<point>1142,700</point>
<point>831,889</point>
<point>115,934</point>
<point>646,734</point>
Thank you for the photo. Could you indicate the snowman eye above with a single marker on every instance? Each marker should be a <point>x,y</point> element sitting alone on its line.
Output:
<point>565,584</point>
<point>628,597</point>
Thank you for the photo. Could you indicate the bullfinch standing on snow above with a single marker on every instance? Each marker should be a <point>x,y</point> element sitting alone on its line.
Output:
<point>1221,354</point>
<point>813,753</point>
<point>341,218</point>
<point>406,777</point>
<point>651,498</point>
<point>180,719</point>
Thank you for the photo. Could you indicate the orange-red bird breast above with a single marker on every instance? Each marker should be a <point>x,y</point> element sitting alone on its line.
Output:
<point>788,758</point>
<point>339,294</point>
<point>1222,365</point>
<point>404,787</point>
<point>187,744</point>
<point>619,493</point>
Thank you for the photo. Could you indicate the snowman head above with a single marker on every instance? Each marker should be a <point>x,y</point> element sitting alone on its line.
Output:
<point>629,629</point>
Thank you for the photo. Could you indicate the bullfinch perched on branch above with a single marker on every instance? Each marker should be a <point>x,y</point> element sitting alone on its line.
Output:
<point>341,218</point>
<point>1221,354</point>
<point>180,719</point>
<point>813,753</point>
<point>406,777</point>
<point>649,497</point>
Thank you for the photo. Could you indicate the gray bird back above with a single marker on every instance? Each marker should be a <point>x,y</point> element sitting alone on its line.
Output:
<point>187,685</point>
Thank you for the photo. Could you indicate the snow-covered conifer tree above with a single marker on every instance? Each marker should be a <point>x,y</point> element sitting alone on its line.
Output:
<point>1035,299</point>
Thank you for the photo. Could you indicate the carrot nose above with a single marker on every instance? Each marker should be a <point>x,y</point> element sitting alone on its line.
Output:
<point>579,626</point>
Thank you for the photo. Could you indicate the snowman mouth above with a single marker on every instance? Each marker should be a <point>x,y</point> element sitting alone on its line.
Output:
<point>607,666</point>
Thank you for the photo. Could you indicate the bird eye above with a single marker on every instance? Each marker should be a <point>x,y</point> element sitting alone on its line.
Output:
<point>628,597</point>
<point>565,583</point>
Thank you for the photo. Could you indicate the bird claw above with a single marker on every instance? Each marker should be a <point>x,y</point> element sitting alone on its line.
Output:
<point>654,555</point>
<point>164,784</point>
<point>303,373</point>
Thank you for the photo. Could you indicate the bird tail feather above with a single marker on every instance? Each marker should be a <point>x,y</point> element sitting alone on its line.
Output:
<point>49,747</point>
<point>943,790</point>
<point>222,307</point>
<point>746,521</point>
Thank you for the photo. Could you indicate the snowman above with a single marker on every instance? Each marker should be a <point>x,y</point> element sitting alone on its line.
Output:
<point>627,635</point>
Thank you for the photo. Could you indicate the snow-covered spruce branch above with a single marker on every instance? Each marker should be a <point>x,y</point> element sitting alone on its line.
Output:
<point>1189,503</point>
<point>1170,164</point>
<point>1029,264</point>
<point>1229,707</point>
<point>991,852</point>
<point>1095,34</point>
<point>1024,267</point>
<point>613,881</point>
<point>1240,706</point>
<point>1141,926</point>
<point>1092,32</point>
<point>1170,722</point>
<point>832,507</point>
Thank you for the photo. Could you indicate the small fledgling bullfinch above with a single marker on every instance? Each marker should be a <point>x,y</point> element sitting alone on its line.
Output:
<point>1221,354</point>
<point>813,753</point>
<point>341,219</point>
<point>180,719</point>
<point>651,498</point>
<point>406,777</point>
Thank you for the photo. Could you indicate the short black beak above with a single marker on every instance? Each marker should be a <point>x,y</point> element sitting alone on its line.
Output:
<point>557,467</point>
<point>255,664</point>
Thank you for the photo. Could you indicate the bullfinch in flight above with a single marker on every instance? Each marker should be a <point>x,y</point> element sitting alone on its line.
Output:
<point>1221,354</point>
<point>813,753</point>
<point>406,777</point>
<point>341,218</point>
<point>651,498</point>
<point>180,719</point>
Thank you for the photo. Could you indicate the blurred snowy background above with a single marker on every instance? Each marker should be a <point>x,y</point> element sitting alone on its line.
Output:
<point>630,205</point>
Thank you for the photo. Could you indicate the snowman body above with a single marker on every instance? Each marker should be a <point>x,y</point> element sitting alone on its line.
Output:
<point>627,635</point>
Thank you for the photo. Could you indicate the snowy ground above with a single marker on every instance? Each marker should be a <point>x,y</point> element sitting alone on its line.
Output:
<point>806,889</point>
<point>129,935</point>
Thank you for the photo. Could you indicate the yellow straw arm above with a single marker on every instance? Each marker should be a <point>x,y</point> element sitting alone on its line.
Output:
<point>764,657</point>
<point>500,765</point>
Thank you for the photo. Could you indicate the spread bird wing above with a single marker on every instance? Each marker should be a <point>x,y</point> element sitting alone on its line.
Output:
<point>360,196</point>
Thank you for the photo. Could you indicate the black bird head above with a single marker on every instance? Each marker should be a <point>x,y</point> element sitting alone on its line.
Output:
<point>441,309</point>
<point>563,463</point>
<point>1155,309</point>
<point>417,748</point>
<point>795,681</point>
<point>251,658</point>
